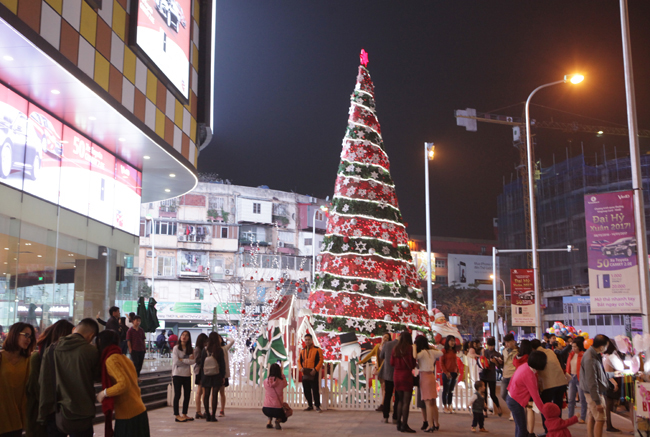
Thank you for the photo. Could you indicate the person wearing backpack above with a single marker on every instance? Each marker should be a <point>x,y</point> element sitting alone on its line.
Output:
<point>213,368</point>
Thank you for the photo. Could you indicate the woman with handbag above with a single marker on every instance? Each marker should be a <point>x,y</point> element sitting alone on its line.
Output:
<point>274,406</point>
<point>403,364</point>
<point>428,388</point>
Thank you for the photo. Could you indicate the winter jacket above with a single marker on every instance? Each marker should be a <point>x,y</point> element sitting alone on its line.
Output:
<point>508,362</point>
<point>75,365</point>
<point>477,401</point>
<point>593,377</point>
<point>125,389</point>
<point>386,371</point>
<point>273,388</point>
<point>556,426</point>
<point>311,358</point>
<point>569,370</point>
<point>181,363</point>
<point>519,360</point>
<point>553,375</point>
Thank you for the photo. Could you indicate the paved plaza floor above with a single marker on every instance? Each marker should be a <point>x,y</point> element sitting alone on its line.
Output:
<point>251,423</point>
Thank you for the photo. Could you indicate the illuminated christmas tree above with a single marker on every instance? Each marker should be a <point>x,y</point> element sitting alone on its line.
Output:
<point>365,282</point>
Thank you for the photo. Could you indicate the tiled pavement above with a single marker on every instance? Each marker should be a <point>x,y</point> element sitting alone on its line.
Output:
<point>251,423</point>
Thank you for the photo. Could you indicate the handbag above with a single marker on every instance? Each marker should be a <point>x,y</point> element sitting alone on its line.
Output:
<point>288,411</point>
<point>306,376</point>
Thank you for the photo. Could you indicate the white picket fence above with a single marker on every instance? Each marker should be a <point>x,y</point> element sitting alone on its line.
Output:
<point>243,393</point>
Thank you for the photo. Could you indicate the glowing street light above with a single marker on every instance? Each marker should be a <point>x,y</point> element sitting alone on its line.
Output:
<point>574,79</point>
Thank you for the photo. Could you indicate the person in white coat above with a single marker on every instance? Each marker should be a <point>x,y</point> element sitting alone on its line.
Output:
<point>182,360</point>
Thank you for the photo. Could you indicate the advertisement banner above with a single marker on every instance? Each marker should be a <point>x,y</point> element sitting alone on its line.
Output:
<point>13,139</point>
<point>613,266</point>
<point>470,270</point>
<point>75,171</point>
<point>522,304</point>
<point>59,165</point>
<point>45,146</point>
<point>163,33</point>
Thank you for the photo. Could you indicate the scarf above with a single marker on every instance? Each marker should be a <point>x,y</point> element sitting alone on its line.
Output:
<point>107,403</point>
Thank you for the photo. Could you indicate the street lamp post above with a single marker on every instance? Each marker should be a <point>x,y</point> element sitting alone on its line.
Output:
<point>496,251</point>
<point>495,298</point>
<point>575,79</point>
<point>429,150</point>
<point>313,241</point>
<point>153,256</point>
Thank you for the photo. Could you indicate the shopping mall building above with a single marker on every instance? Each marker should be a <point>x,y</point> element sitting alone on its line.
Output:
<point>104,105</point>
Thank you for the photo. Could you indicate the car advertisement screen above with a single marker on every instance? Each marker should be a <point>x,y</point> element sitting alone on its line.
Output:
<point>522,297</point>
<point>41,156</point>
<point>163,33</point>
<point>13,137</point>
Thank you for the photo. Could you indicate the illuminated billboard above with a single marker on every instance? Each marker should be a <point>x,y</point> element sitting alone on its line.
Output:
<point>42,157</point>
<point>162,33</point>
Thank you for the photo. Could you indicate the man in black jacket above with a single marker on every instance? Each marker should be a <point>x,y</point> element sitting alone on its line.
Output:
<point>67,378</point>
<point>113,322</point>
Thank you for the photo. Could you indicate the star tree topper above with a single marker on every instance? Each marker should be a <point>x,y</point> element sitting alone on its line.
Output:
<point>363,57</point>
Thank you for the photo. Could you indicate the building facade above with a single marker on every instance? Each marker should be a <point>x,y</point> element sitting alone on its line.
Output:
<point>104,104</point>
<point>561,221</point>
<point>221,246</point>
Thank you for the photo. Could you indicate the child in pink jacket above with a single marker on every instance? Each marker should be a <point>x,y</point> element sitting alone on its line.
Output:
<point>273,396</point>
<point>556,426</point>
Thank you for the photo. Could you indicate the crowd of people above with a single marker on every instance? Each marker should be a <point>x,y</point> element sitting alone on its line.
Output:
<point>535,375</point>
<point>48,381</point>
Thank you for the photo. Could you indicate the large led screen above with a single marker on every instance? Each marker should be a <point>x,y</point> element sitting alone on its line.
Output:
<point>128,189</point>
<point>75,171</point>
<point>163,34</point>
<point>41,156</point>
<point>44,149</point>
<point>13,139</point>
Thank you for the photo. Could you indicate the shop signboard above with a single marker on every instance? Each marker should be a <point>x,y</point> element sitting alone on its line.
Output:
<point>163,35</point>
<point>522,300</point>
<point>612,253</point>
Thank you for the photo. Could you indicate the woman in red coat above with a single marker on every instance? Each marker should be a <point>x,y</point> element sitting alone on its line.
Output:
<point>403,365</point>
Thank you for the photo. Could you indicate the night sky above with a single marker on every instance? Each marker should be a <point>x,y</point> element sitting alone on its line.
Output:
<point>285,71</point>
